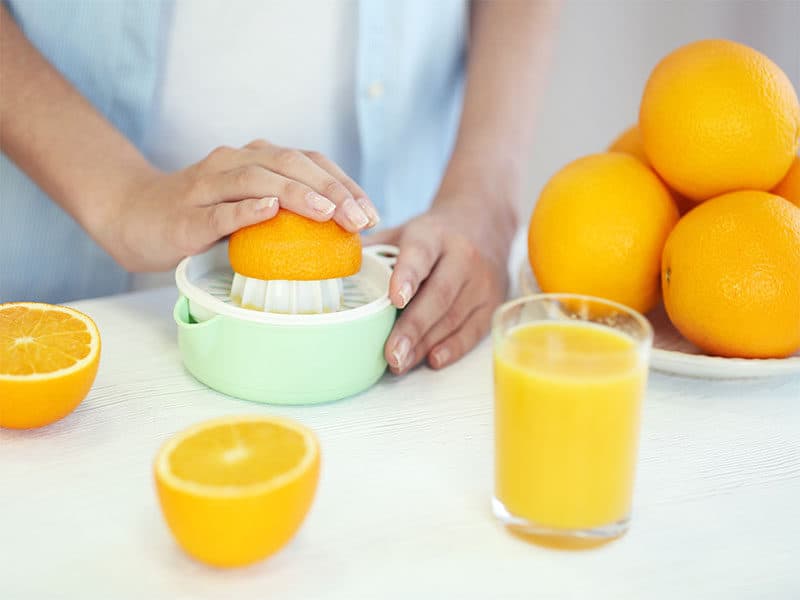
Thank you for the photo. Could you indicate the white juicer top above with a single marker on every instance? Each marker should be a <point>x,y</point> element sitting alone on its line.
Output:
<point>206,280</point>
<point>285,296</point>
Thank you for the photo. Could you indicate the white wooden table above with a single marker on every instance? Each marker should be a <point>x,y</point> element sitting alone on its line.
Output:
<point>402,509</point>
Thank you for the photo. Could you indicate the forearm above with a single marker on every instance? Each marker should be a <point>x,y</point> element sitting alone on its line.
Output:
<point>54,134</point>
<point>508,54</point>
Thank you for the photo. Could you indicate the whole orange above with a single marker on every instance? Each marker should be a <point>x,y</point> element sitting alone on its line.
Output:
<point>291,247</point>
<point>630,142</point>
<point>716,117</point>
<point>731,275</point>
<point>598,228</point>
<point>789,187</point>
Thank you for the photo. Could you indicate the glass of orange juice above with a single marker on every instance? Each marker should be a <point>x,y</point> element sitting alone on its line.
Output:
<point>570,373</point>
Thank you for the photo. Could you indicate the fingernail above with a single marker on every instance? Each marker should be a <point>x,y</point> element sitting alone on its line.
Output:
<point>441,357</point>
<point>354,214</point>
<point>400,352</point>
<point>264,203</point>
<point>404,293</point>
<point>320,203</point>
<point>374,217</point>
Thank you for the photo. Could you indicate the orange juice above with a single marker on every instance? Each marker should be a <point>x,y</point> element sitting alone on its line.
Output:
<point>567,401</point>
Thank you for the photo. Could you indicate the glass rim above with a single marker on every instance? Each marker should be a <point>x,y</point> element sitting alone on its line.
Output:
<point>640,319</point>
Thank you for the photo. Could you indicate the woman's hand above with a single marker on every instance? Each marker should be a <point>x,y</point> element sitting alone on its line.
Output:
<point>164,217</point>
<point>454,268</point>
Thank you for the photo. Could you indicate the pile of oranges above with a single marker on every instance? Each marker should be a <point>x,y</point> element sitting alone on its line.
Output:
<point>697,205</point>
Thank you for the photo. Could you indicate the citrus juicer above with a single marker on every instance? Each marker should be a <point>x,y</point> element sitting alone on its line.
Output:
<point>294,356</point>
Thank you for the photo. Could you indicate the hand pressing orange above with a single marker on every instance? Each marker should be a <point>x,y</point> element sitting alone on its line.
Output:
<point>167,216</point>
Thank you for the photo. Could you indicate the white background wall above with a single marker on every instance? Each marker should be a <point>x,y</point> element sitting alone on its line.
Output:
<point>605,50</point>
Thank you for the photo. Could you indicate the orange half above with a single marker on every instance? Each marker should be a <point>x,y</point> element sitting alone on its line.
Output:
<point>48,361</point>
<point>236,489</point>
<point>291,247</point>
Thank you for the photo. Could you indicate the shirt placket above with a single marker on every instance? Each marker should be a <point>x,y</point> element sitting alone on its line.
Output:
<point>371,100</point>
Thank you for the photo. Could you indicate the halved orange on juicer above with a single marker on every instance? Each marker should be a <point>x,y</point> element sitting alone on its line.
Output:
<point>291,264</point>
<point>48,361</point>
<point>292,247</point>
<point>236,489</point>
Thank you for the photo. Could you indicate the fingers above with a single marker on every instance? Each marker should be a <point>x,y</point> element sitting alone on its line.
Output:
<point>463,339</point>
<point>297,166</point>
<point>211,223</point>
<point>432,304</point>
<point>306,183</point>
<point>420,249</point>
<point>253,181</point>
<point>355,190</point>
<point>469,300</point>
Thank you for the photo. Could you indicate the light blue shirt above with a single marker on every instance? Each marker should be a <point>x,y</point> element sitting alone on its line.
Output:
<point>112,52</point>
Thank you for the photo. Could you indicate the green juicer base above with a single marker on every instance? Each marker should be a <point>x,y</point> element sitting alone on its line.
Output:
<point>284,364</point>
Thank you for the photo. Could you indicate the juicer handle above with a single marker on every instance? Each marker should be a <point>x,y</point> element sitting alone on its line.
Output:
<point>186,322</point>
<point>385,253</point>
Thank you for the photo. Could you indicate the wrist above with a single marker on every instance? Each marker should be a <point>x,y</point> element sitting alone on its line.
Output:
<point>492,185</point>
<point>108,216</point>
<point>485,208</point>
<point>488,223</point>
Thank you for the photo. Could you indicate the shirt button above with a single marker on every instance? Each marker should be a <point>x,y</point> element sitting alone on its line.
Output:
<point>375,90</point>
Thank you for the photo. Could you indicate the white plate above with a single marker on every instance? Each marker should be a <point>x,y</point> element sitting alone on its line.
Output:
<point>672,353</point>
